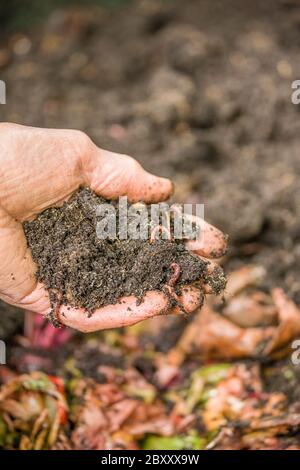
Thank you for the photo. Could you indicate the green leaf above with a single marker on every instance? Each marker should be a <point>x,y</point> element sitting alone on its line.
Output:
<point>201,382</point>
<point>212,374</point>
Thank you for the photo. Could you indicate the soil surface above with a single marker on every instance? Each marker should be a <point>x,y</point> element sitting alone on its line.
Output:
<point>83,270</point>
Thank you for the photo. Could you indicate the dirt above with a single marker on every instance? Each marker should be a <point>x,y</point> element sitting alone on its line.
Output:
<point>82,270</point>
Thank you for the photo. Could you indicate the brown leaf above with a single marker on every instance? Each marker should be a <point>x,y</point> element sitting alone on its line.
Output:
<point>289,321</point>
<point>213,335</point>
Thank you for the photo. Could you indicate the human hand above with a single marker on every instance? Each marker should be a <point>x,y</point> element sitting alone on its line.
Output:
<point>41,168</point>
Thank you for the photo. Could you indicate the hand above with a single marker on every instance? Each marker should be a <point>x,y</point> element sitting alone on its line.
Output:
<point>40,168</point>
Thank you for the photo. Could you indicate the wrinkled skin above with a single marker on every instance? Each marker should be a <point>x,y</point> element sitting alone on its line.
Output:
<point>41,168</point>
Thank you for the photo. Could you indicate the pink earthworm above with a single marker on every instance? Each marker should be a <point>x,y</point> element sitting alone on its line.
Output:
<point>175,276</point>
<point>169,286</point>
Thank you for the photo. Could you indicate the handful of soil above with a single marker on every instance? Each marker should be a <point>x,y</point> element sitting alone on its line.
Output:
<point>81,270</point>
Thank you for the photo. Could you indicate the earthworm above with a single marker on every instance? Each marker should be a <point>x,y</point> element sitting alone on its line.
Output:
<point>175,276</point>
<point>173,266</point>
<point>172,280</point>
<point>169,286</point>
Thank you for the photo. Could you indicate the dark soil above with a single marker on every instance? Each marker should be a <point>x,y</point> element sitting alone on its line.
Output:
<point>82,270</point>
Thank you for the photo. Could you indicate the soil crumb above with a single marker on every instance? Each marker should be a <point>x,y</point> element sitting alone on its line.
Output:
<point>81,270</point>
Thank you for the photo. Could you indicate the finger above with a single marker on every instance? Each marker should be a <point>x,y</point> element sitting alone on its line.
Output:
<point>37,301</point>
<point>215,280</point>
<point>126,312</point>
<point>210,243</point>
<point>112,175</point>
